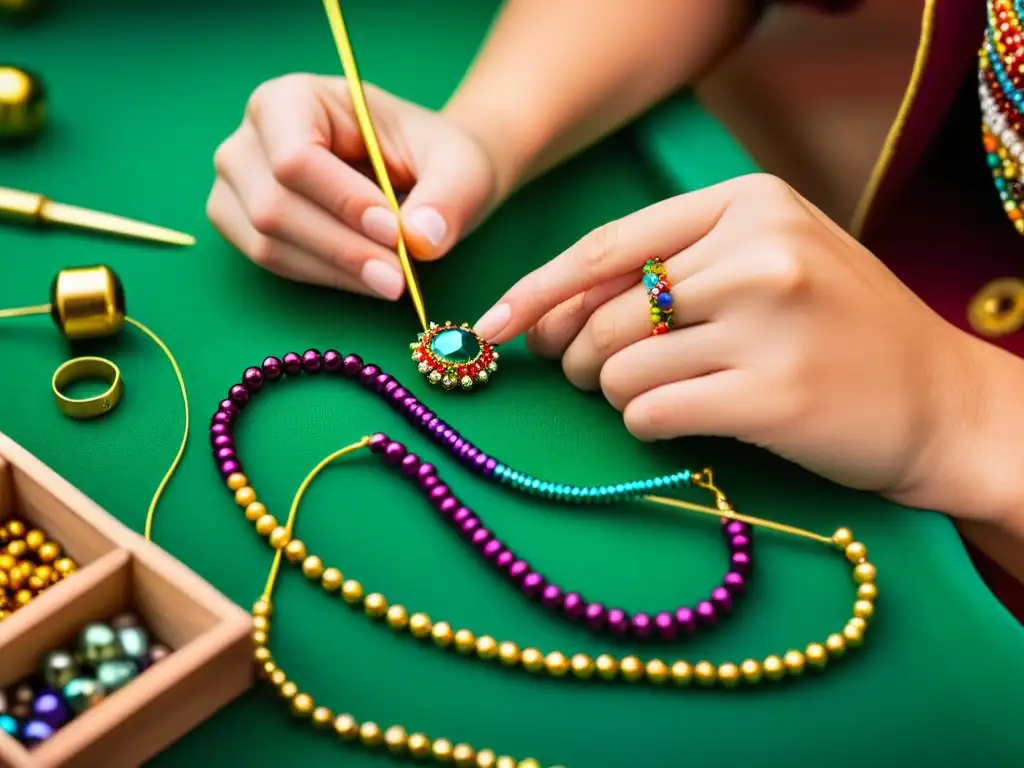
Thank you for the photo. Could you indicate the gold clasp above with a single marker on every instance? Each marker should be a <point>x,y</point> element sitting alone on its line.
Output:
<point>705,479</point>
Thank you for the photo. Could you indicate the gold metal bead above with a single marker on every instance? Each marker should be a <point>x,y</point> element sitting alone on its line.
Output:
<point>582,666</point>
<point>322,717</point>
<point>729,674</point>
<point>865,573</point>
<point>853,635</point>
<point>465,641</point>
<point>532,659</point>
<point>856,552</point>
<point>506,762</point>
<point>268,670</point>
<point>398,617</point>
<point>631,668</point>
<point>65,566</point>
<point>859,623</point>
<point>16,529</point>
<point>682,673</point>
<point>261,608</point>
<point>418,745</point>
<point>279,537</point>
<point>486,758</point>
<point>657,671</point>
<point>295,551</point>
<point>236,481</point>
<point>261,655</point>
<point>442,750</point>
<point>261,623</point>
<point>288,690</point>
<point>420,625</point>
<point>17,548</point>
<point>347,727</point>
<point>794,661</point>
<point>863,609</point>
<point>442,634</point>
<point>835,645</point>
<point>86,302</point>
<point>278,678</point>
<point>375,605</point>
<point>396,739</point>
<point>331,579</point>
<point>816,655</point>
<point>245,496</point>
<point>867,591</point>
<point>556,664</point>
<point>265,525</point>
<point>509,653</point>
<point>486,647</point>
<point>259,637</point>
<point>49,552</point>
<point>351,591</point>
<point>302,705</point>
<point>255,511</point>
<point>34,539</point>
<point>312,567</point>
<point>528,763</point>
<point>751,671</point>
<point>843,537</point>
<point>607,666</point>
<point>370,734</point>
<point>705,672</point>
<point>464,756</point>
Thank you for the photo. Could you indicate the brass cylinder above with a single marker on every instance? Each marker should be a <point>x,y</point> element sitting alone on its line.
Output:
<point>87,302</point>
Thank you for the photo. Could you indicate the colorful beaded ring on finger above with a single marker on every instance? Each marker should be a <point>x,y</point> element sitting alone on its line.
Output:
<point>659,292</point>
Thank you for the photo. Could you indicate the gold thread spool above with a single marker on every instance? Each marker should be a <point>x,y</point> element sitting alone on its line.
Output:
<point>87,302</point>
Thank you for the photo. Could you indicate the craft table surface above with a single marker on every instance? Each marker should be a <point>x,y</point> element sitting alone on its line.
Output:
<point>141,94</point>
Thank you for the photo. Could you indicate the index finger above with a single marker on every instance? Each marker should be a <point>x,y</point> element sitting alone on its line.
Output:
<point>659,231</point>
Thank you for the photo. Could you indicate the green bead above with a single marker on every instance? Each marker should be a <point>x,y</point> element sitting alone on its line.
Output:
<point>116,673</point>
<point>455,345</point>
<point>97,643</point>
<point>82,693</point>
<point>57,668</point>
<point>133,643</point>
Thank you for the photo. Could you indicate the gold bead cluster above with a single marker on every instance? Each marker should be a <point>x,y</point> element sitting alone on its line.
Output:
<point>395,739</point>
<point>30,563</point>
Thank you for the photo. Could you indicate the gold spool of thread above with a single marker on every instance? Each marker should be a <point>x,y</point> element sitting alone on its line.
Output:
<point>89,303</point>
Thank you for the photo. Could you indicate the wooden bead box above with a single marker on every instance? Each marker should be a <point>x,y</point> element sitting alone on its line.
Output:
<point>210,662</point>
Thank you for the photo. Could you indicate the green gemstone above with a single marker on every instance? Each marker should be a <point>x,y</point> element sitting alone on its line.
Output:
<point>116,673</point>
<point>82,693</point>
<point>98,642</point>
<point>455,345</point>
<point>133,642</point>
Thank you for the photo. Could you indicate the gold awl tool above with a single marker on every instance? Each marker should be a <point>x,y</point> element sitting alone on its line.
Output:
<point>32,208</point>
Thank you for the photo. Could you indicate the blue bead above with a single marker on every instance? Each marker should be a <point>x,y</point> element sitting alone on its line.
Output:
<point>664,300</point>
<point>650,280</point>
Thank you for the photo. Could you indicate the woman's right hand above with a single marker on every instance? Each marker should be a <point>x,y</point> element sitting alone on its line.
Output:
<point>295,193</point>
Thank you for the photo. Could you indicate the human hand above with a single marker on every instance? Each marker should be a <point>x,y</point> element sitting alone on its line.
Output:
<point>294,193</point>
<point>788,335</point>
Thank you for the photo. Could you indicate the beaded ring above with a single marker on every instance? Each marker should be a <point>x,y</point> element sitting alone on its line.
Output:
<point>664,625</point>
<point>1002,103</point>
<point>659,293</point>
<point>606,667</point>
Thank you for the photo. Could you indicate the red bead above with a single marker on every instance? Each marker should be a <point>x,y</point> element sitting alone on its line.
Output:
<point>463,371</point>
<point>473,370</point>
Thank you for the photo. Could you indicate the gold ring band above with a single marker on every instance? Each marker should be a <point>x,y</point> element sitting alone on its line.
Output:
<point>80,369</point>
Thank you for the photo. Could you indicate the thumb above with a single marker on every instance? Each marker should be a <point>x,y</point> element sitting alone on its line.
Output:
<point>450,192</point>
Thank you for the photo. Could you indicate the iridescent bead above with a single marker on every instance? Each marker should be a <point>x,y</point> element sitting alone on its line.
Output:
<point>721,599</point>
<point>573,606</point>
<point>291,363</point>
<point>332,361</point>
<point>271,368</point>
<point>116,673</point>
<point>532,584</point>
<point>378,442</point>
<point>239,395</point>
<point>551,596</point>
<point>618,621</point>
<point>252,379</point>
<point>368,375</point>
<point>665,626</point>
<point>394,452</point>
<point>57,668</point>
<point>50,709</point>
<point>97,642</point>
<point>735,583</point>
<point>9,725</point>
<point>740,562</point>
<point>35,732</point>
<point>685,620</point>
<point>82,693</point>
<point>595,615</point>
<point>312,361</point>
<point>133,643</point>
<point>642,627</point>
<point>706,613</point>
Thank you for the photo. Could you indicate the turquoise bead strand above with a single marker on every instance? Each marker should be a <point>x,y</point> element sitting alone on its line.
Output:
<point>589,494</point>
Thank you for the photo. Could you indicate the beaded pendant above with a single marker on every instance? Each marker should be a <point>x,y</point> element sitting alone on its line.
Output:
<point>454,356</point>
<point>1001,97</point>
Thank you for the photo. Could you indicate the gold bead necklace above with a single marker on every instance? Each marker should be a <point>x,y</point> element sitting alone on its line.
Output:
<point>630,669</point>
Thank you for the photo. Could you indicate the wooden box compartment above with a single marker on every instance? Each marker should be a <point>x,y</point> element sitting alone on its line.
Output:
<point>209,636</point>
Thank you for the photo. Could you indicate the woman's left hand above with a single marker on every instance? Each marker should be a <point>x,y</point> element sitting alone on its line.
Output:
<point>787,334</point>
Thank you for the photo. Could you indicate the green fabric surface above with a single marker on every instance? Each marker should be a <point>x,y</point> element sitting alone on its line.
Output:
<point>141,94</point>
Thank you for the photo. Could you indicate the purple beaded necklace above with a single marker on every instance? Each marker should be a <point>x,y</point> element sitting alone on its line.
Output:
<point>572,606</point>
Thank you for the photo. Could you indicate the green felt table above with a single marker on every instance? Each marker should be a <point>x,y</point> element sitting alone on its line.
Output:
<point>141,94</point>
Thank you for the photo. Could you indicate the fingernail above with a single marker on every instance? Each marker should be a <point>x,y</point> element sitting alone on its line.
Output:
<point>383,278</point>
<point>493,321</point>
<point>380,224</point>
<point>428,223</point>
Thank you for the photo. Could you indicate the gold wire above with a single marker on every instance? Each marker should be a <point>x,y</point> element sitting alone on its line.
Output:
<point>42,309</point>
<point>294,511</point>
<point>362,112</point>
